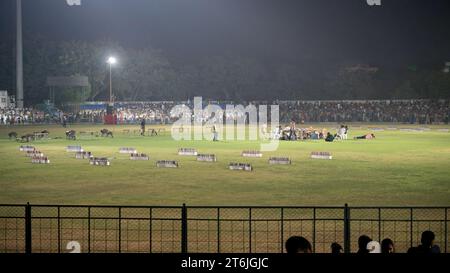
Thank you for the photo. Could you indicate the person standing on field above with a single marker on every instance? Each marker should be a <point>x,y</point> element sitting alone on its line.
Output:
<point>215,134</point>
<point>143,127</point>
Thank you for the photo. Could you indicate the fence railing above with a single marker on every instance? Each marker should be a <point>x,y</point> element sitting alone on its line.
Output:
<point>224,229</point>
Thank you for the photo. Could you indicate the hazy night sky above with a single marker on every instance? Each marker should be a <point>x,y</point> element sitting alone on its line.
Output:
<point>398,32</point>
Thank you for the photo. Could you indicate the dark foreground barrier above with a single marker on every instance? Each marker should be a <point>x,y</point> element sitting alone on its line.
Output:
<point>206,229</point>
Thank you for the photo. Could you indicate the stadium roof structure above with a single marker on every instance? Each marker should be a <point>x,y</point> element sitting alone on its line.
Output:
<point>71,81</point>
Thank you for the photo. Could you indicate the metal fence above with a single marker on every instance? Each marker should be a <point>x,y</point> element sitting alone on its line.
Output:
<point>190,229</point>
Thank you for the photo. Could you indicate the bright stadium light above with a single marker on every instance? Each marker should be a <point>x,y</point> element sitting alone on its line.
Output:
<point>111,60</point>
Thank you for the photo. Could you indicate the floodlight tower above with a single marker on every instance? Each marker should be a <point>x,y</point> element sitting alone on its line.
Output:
<point>111,60</point>
<point>19,50</point>
<point>19,55</point>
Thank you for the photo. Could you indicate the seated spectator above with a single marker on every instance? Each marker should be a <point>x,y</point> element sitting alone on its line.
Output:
<point>363,240</point>
<point>387,246</point>
<point>277,133</point>
<point>292,135</point>
<point>329,137</point>
<point>298,244</point>
<point>345,135</point>
<point>341,132</point>
<point>427,244</point>
<point>336,248</point>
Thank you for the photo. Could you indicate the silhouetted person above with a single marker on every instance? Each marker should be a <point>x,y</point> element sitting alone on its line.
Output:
<point>298,244</point>
<point>363,240</point>
<point>336,248</point>
<point>143,127</point>
<point>427,244</point>
<point>387,246</point>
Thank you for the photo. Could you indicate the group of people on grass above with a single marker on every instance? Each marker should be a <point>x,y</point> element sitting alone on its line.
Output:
<point>291,132</point>
<point>342,134</point>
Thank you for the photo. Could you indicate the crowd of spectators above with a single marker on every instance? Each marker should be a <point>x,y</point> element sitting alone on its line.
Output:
<point>396,111</point>
<point>127,112</point>
<point>90,116</point>
<point>11,116</point>
<point>402,111</point>
<point>152,112</point>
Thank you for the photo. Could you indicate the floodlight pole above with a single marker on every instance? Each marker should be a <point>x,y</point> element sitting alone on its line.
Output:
<point>111,60</point>
<point>19,55</point>
<point>110,84</point>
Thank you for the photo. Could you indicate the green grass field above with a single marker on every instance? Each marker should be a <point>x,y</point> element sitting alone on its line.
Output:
<point>397,168</point>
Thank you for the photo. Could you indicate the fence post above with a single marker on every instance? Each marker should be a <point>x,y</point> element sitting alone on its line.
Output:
<point>59,230</point>
<point>282,230</point>
<point>28,229</point>
<point>150,230</point>
<point>346,229</point>
<point>218,230</point>
<point>314,230</point>
<point>411,227</point>
<point>89,229</point>
<point>184,231</point>
<point>250,230</point>
<point>379,224</point>
<point>445,228</point>
<point>120,229</point>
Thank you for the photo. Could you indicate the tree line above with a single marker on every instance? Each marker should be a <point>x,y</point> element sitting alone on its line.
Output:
<point>149,74</point>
